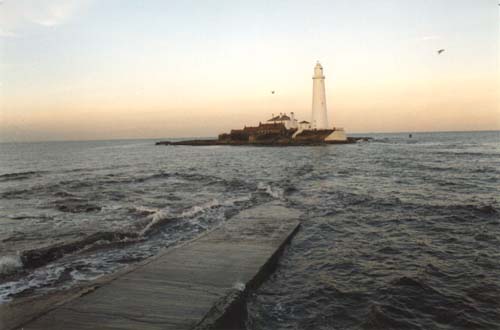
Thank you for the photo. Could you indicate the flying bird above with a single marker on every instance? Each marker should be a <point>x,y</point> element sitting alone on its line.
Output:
<point>440,51</point>
<point>272,92</point>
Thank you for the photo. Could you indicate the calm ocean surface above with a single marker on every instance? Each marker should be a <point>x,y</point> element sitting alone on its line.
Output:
<point>397,233</point>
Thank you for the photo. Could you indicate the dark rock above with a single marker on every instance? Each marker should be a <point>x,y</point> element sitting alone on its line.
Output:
<point>76,205</point>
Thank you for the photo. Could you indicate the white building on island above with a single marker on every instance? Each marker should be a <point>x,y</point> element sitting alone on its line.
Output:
<point>319,118</point>
<point>319,115</point>
<point>304,125</point>
<point>289,121</point>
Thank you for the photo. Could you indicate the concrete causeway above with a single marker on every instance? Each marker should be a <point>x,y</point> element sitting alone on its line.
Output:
<point>198,285</point>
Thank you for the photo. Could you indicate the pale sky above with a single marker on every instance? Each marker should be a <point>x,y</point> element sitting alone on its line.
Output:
<point>90,69</point>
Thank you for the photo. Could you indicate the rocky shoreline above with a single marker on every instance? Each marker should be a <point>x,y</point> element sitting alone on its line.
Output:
<point>274,134</point>
<point>284,142</point>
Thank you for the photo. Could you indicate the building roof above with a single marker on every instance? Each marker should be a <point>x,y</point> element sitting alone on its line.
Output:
<point>274,118</point>
<point>272,125</point>
<point>250,129</point>
<point>304,122</point>
<point>280,118</point>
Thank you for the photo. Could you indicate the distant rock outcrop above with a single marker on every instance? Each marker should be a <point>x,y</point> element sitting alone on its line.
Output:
<point>269,134</point>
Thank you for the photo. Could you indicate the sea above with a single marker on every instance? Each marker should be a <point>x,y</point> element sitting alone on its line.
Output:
<point>396,233</point>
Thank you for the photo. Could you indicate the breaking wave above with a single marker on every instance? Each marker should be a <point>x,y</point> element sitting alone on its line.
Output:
<point>153,220</point>
<point>10,265</point>
<point>273,191</point>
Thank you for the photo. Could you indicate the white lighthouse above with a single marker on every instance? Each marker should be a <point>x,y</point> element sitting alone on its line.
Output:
<point>319,118</point>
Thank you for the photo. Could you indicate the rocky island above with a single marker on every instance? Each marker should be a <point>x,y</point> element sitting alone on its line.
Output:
<point>285,130</point>
<point>273,134</point>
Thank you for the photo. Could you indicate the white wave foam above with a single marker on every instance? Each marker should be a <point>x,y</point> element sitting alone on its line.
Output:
<point>200,208</point>
<point>159,215</point>
<point>232,201</point>
<point>240,286</point>
<point>10,265</point>
<point>156,216</point>
<point>214,203</point>
<point>275,192</point>
<point>145,210</point>
<point>40,278</point>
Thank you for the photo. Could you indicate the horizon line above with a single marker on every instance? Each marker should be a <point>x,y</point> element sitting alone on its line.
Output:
<point>211,137</point>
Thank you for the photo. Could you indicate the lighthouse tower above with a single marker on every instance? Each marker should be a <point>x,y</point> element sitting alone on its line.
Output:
<point>319,119</point>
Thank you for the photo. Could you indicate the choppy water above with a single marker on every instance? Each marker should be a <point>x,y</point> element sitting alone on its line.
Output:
<point>397,233</point>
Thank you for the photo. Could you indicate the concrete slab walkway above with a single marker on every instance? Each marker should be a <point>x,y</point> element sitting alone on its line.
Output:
<point>199,285</point>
